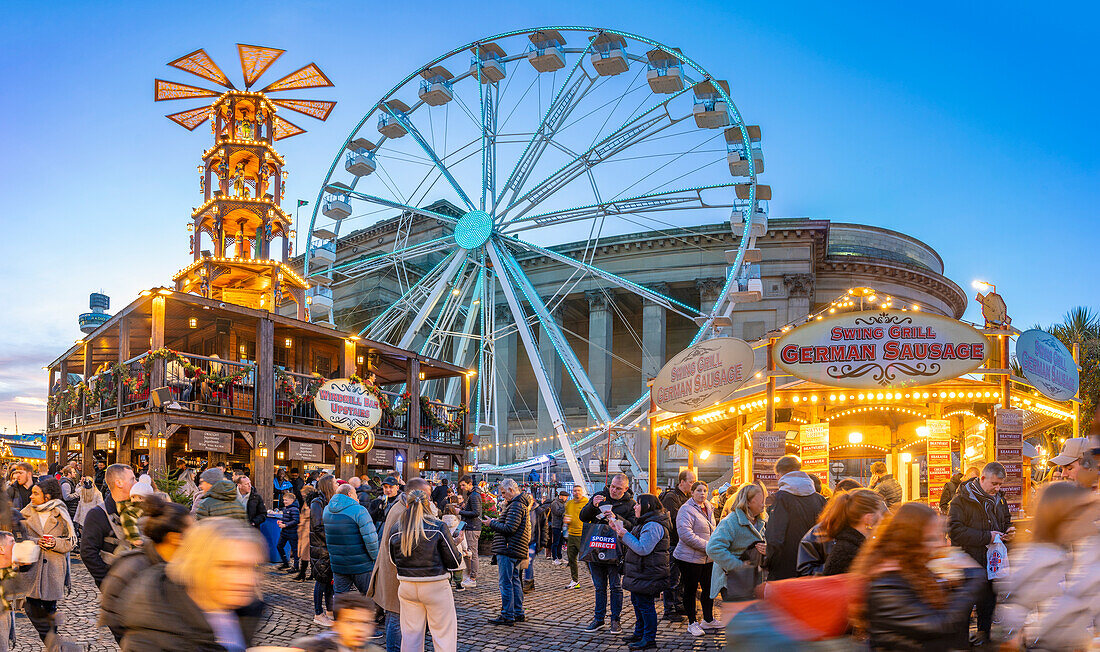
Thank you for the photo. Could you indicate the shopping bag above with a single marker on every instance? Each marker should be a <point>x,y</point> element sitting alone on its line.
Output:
<point>996,559</point>
<point>600,544</point>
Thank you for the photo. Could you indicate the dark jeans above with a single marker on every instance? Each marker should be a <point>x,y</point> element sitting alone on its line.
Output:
<point>696,577</point>
<point>556,540</point>
<point>288,537</point>
<point>344,583</point>
<point>511,591</point>
<point>605,576</point>
<point>645,616</point>
<point>321,590</point>
<point>529,572</point>
<point>42,614</point>
<point>674,595</point>
<point>393,631</point>
<point>986,602</point>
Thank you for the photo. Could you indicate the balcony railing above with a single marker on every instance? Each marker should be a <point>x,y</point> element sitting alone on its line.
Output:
<point>220,387</point>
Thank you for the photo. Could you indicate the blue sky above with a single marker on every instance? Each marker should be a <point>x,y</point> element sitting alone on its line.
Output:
<point>968,127</point>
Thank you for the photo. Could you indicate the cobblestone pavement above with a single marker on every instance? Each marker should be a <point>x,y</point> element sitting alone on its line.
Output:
<point>556,616</point>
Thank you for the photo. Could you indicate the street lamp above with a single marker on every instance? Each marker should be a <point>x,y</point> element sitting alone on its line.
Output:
<point>983,286</point>
<point>704,454</point>
<point>855,437</point>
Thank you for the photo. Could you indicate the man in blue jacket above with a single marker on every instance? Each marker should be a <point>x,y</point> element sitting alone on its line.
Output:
<point>352,541</point>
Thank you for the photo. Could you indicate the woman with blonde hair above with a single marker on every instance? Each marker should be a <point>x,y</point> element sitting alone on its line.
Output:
<point>904,604</point>
<point>207,597</point>
<point>737,535</point>
<point>90,498</point>
<point>1051,593</point>
<point>425,556</point>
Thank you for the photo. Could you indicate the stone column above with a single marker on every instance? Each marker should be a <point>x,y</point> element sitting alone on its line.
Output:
<point>800,295</point>
<point>653,335</point>
<point>709,289</point>
<point>599,343</point>
<point>504,349</point>
<point>551,364</point>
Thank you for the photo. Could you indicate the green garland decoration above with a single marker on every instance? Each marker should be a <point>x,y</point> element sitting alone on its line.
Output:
<point>446,425</point>
<point>286,384</point>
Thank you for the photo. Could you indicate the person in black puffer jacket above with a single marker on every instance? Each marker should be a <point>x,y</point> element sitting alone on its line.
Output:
<point>318,551</point>
<point>171,607</point>
<point>907,607</point>
<point>163,524</point>
<point>673,499</point>
<point>646,566</point>
<point>511,538</point>
<point>425,556</point>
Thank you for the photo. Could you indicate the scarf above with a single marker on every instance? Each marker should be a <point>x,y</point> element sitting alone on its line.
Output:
<point>128,514</point>
<point>988,503</point>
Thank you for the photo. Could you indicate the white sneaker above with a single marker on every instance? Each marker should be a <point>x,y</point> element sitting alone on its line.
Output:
<point>323,620</point>
<point>469,584</point>
<point>695,630</point>
<point>712,624</point>
<point>574,585</point>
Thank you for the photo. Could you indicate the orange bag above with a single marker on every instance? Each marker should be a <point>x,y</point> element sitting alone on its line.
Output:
<point>812,608</point>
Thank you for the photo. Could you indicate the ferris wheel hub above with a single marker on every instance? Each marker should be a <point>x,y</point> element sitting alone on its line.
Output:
<point>473,229</point>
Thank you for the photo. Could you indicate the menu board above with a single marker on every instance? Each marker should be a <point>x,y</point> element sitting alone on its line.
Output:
<point>439,462</point>
<point>738,451</point>
<point>210,440</point>
<point>305,451</point>
<point>101,439</point>
<point>814,450</point>
<point>767,448</point>
<point>380,457</point>
<point>1009,439</point>
<point>939,458</point>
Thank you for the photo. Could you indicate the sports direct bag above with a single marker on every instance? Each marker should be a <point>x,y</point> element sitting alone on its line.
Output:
<point>600,544</point>
<point>996,559</point>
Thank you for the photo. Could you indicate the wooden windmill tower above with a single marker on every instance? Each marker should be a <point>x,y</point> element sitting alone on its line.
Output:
<point>241,178</point>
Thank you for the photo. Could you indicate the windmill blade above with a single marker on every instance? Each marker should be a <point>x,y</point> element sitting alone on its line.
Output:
<point>255,60</point>
<point>166,90</point>
<point>199,63</point>
<point>285,128</point>
<point>305,77</point>
<point>313,108</point>
<point>191,118</point>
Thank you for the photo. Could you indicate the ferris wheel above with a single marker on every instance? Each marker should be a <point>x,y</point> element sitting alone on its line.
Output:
<point>515,143</point>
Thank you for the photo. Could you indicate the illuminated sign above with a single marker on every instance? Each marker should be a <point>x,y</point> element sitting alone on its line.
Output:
<point>885,349</point>
<point>347,405</point>
<point>703,374</point>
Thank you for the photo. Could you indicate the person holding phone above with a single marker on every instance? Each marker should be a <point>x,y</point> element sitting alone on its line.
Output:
<point>48,524</point>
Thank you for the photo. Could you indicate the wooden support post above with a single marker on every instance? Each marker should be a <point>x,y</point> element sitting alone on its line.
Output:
<point>412,381</point>
<point>123,356</point>
<point>158,457</point>
<point>691,460</point>
<point>347,363</point>
<point>769,409</point>
<point>467,440</point>
<point>157,375</point>
<point>1006,383</point>
<point>124,447</point>
<point>262,459</point>
<point>346,469</point>
<point>654,442</point>
<point>262,463</point>
<point>1077,397</point>
<point>89,369</point>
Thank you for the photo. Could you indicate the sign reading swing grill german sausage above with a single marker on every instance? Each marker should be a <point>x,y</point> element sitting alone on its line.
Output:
<point>885,349</point>
<point>1047,364</point>
<point>703,374</point>
<point>347,405</point>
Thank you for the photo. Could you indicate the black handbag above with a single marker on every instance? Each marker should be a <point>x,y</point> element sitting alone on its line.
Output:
<point>741,582</point>
<point>600,544</point>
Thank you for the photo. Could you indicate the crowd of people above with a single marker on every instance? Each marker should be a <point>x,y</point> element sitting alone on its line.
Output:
<point>386,556</point>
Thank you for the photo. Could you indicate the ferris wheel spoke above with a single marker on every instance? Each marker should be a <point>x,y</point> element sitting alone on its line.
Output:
<point>632,132</point>
<point>395,204</point>
<point>388,318</point>
<point>426,308</point>
<point>667,303</point>
<point>665,200</point>
<point>372,264</point>
<point>442,327</point>
<point>569,94</point>
<point>546,389</point>
<point>419,138</point>
<point>489,106</point>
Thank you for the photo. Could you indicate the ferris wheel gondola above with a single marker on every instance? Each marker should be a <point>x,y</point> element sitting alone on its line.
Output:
<point>544,135</point>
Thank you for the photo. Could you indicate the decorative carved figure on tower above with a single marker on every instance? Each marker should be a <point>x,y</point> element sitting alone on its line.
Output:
<point>239,188</point>
<point>246,129</point>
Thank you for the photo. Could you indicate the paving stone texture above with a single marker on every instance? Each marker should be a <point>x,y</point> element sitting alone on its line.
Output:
<point>556,616</point>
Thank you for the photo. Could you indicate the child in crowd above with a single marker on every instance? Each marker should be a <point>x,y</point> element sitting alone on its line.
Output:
<point>351,630</point>
<point>288,534</point>
<point>453,523</point>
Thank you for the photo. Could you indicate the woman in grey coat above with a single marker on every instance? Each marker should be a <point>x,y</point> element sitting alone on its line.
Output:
<point>695,525</point>
<point>48,524</point>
